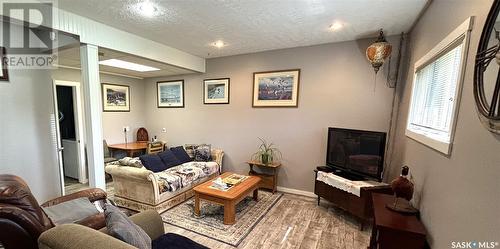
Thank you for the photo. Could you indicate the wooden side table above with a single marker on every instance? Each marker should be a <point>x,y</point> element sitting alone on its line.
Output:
<point>269,180</point>
<point>392,230</point>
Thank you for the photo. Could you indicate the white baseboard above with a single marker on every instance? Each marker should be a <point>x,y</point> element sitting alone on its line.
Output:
<point>296,191</point>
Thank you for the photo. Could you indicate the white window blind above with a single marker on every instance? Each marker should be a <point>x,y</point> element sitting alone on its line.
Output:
<point>434,95</point>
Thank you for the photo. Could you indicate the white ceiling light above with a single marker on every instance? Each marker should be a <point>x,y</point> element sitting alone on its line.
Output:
<point>147,8</point>
<point>336,26</point>
<point>128,65</point>
<point>219,44</point>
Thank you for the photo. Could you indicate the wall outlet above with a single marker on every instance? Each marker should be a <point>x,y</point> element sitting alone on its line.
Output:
<point>126,128</point>
<point>164,130</point>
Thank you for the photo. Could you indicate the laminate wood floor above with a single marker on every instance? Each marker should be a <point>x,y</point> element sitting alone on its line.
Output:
<point>296,222</point>
<point>72,185</point>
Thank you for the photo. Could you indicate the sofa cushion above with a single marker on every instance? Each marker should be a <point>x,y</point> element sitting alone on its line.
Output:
<point>172,240</point>
<point>202,153</point>
<point>122,228</point>
<point>153,163</point>
<point>183,175</point>
<point>169,159</point>
<point>181,154</point>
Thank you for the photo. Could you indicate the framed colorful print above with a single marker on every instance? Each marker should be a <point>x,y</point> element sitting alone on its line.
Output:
<point>276,88</point>
<point>216,91</point>
<point>170,94</point>
<point>115,98</point>
<point>4,74</point>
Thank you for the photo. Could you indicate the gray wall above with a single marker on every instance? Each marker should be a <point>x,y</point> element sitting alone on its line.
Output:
<point>113,122</point>
<point>458,195</point>
<point>27,144</point>
<point>336,89</point>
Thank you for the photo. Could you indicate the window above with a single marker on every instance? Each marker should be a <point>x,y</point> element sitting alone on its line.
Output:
<point>436,91</point>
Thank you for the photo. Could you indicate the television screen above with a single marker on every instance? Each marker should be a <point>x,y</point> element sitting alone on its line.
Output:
<point>356,151</point>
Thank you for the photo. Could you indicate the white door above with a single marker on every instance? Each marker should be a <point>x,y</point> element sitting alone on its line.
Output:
<point>74,161</point>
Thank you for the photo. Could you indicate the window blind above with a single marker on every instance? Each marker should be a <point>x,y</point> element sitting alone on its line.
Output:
<point>434,94</point>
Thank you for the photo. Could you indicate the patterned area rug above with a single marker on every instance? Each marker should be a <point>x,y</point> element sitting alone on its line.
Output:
<point>209,224</point>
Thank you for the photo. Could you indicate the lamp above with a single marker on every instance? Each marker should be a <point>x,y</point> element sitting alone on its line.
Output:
<point>378,51</point>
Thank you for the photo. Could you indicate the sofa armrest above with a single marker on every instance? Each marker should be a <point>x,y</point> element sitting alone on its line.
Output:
<point>129,172</point>
<point>94,194</point>
<point>150,221</point>
<point>73,236</point>
<point>217,155</point>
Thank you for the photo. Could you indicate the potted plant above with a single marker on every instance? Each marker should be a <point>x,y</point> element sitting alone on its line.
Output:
<point>267,152</point>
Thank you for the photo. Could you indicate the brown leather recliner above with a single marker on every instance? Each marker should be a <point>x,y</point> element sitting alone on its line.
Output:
<point>22,219</point>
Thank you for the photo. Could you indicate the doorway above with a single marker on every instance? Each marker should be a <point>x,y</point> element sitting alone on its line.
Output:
<point>70,136</point>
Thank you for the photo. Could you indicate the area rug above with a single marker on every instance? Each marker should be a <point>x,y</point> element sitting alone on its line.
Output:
<point>209,224</point>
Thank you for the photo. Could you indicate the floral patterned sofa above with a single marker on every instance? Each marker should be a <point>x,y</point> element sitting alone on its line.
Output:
<point>140,189</point>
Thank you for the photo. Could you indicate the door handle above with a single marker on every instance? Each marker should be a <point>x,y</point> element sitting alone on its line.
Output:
<point>60,149</point>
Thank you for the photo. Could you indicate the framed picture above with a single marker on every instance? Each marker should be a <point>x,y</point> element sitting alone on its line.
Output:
<point>170,94</point>
<point>4,74</point>
<point>276,88</point>
<point>216,91</point>
<point>115,98</point>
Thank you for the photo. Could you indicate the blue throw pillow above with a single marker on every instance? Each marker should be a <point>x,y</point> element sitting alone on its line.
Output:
<point>181,154</point>
<point>169,159</point>
<point>153,163</point>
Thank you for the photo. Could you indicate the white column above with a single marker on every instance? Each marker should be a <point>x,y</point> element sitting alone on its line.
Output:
<point>89,59</point>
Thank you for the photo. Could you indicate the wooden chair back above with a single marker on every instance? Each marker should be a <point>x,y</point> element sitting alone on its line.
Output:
<point>142,135</point>
<point>155,148</point>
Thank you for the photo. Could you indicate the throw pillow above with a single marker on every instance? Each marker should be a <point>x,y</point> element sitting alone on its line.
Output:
<point>71,211</point>
<point>202,153</point>
<point>132,162</point>
<point>181,154</point>
<point>169,159</point>
<point>122,228</point>
<point>153,163</point>
<point>190,149</point>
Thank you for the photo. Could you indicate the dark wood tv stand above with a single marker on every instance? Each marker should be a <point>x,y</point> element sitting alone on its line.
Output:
<point>360,207</point>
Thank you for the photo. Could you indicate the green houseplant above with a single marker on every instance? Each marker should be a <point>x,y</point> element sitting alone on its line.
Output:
<point>267,152</point>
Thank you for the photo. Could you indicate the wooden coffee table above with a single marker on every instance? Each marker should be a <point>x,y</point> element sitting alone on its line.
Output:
<point>228,198</point>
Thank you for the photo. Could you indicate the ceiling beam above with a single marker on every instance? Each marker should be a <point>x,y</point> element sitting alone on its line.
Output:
<point>92,32</point>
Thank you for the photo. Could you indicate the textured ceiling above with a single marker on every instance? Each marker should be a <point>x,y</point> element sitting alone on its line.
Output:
<point>248,26</point>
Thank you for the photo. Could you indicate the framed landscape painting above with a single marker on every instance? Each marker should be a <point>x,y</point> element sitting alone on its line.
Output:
<point>276,88</point>
<point>115,98</point>
<point>170,94</point>
<point>216,91</point>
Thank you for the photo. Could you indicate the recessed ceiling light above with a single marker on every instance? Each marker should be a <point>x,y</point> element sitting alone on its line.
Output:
<point>219,44</point>
<point>147,8</point>
<point>336,26</point>
<point>128,65</point>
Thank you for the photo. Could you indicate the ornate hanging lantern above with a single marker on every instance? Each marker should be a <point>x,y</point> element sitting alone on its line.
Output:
<point>378,51</point>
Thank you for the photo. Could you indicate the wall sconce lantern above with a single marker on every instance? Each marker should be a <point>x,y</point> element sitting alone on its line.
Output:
<point>378,51</point>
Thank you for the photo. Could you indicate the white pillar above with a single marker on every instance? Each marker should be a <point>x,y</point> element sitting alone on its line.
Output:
<point>89,59</point>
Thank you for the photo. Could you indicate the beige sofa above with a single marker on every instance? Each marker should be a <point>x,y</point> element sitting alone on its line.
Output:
<point>140,189</point>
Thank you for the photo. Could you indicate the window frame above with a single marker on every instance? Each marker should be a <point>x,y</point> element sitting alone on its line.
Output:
<point>461,35</point>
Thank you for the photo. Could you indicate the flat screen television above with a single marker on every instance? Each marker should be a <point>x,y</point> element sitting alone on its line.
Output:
<point>356,153</point>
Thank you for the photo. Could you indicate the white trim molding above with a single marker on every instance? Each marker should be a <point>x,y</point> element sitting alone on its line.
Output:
<point>461,35</point>
<point>296,192</point>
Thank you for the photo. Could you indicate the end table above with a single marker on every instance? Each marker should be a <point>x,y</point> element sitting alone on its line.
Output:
<point>269,180</point>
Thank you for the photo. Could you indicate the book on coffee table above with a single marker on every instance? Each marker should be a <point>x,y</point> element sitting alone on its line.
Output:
<point>234,179</point>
